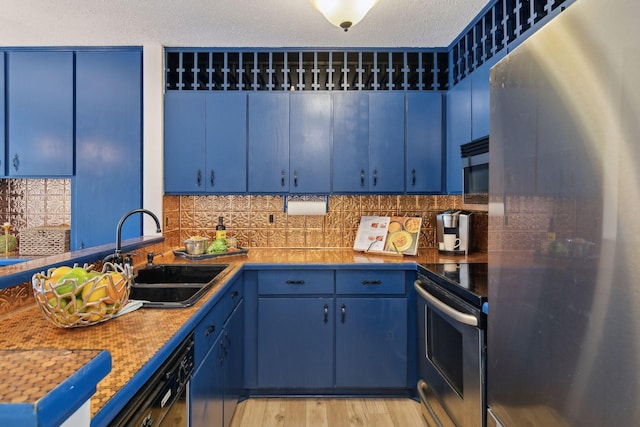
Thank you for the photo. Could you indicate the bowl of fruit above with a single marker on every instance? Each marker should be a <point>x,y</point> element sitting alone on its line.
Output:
<point>77,296</point>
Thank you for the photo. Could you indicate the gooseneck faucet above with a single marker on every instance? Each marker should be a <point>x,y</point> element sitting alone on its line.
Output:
<point>116,258</point>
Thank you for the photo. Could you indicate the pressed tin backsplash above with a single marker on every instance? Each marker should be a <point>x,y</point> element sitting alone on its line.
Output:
<point>248,219</point>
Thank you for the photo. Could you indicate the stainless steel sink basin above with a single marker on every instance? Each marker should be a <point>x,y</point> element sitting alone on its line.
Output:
<point>174,285</point>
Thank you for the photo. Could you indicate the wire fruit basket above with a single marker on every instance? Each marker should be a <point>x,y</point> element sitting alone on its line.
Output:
<point>76,296</point>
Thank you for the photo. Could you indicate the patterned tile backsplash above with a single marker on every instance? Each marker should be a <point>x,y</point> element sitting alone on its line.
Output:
<point>248,219</point>
<point>47,202</point>
<point>26,203</point>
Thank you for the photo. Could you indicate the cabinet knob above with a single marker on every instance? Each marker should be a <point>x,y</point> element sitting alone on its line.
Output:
<point>282,173</point>
<point>413,177</point>
<point>326,313</point>
<point>212,178</point>
<point>343,312</point>
<point>361,177</point>
<point>210,329</point>
<point>199,178</point>
<point>375,177</point>
<point>16,162</point>
<point>295,178</point>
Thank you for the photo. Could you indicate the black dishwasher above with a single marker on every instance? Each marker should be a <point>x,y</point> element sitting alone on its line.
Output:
<point>163,400</point>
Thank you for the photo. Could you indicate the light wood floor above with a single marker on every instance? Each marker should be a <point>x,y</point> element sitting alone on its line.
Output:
<point>328,412</point>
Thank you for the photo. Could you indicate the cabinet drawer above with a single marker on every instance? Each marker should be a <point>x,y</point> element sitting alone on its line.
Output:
<point>370,282</point>
<point>207,331</point>
<point>232,297</point>
<point>295,282</point>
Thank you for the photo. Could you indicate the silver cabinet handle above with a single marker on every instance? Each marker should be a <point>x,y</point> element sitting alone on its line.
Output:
<point>16,162</point>
<point>212,178</point>
<point>199,178</point>
<point>343,312</point>
<point>295,282</point>
<point>413,177</point>
<point>375,177</point>
<point>361,177</point>
<point>463,318</point>
<point>282,174</point>
<point>326,313</point>
<point>371,282</point>
<point>295,178</point>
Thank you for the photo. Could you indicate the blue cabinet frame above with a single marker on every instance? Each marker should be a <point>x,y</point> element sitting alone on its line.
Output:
<point>108,175</point>
<point>40,114</point>
<point>3,171</point>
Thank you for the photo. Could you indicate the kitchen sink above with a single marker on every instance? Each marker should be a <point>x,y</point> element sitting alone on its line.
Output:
<point>174,285</point>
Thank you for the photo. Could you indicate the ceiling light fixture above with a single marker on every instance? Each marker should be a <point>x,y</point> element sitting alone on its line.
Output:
<point>344,13</point>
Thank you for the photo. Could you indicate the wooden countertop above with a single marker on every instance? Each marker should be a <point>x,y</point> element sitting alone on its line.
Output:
<point>140,340</point>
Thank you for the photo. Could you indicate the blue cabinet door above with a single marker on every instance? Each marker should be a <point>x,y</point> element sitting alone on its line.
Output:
<point>458,132</point>
<point>424,142</point>
<point>350,161</point>
<point>233,362</point>
<point>3,170</point>
<point>386,142</point>
<point>108,178</point>
<point>184,142</point>
<point>480,101</point>
<point>226,142</point>
<point>295,343</point>
<point>371,342</point>
<point>310,143</point>
<point>40,113</point>
<point>206,389</point>
<point>268,143</point>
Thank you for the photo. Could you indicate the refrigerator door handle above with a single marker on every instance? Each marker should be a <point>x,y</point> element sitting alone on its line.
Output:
<point>463,318</point>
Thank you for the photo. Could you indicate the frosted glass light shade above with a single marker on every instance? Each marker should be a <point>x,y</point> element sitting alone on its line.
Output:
<point>344,13</point>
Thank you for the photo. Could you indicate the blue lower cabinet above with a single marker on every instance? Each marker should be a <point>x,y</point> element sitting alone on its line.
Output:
<point>217,382</point>
<point>295,343</point>
<point>331,331</point>
<point>206,392</point>
<point>371,343</point>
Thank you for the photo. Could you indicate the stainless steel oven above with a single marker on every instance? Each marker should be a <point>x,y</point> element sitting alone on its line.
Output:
<point>452,353</point>
<point>164,399</point>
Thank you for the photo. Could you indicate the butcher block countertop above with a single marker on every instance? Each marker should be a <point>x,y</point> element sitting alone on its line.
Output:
<point>139,341</point>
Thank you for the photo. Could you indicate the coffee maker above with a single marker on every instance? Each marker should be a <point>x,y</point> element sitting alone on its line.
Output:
<point>459,224</point>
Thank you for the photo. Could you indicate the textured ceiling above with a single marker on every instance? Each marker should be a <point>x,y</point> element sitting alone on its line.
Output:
<point>229,23</point>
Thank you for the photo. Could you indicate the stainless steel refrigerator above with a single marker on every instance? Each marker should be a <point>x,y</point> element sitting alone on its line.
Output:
<point>564,223</point>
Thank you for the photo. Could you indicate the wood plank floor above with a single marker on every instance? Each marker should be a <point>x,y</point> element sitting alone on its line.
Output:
<point>328,412</point>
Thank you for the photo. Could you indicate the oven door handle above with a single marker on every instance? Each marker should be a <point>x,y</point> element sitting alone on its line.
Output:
<point>463,318</point>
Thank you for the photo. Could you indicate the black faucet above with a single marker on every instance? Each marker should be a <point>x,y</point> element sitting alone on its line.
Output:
<point>116,258</point>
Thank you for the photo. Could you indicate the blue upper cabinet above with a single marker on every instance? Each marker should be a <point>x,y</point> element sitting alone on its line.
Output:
<point>458,132</point>
<point>386,142</point>
<point>108,180</point>
<point>40,113</point>
<point>310,143</point>
<point>368,142</point>
<point>268,143</point>
<point>205,142</point>
<point>3,171</point>
<point>424,142</point>
<point>184,142</point>
<point>480,101</point>
<point>350,142</point>
<point>226,142</point>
